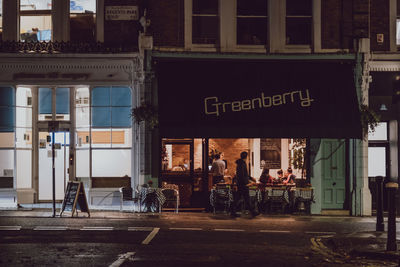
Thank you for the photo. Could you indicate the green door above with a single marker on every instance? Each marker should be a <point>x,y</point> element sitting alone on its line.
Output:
<point>333,174</point>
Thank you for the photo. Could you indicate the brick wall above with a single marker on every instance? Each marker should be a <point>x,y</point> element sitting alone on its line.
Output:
<point>331,24</point>
<point>167,22</point>
<point>231,149</point>
<point>380,24</point>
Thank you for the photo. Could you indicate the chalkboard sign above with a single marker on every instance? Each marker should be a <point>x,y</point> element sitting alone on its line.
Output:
<point>75,199</point>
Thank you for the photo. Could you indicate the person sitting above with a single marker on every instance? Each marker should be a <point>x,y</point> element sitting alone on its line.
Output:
<point>265,178</point>
<point>289,178</point>
<point>279,177</point>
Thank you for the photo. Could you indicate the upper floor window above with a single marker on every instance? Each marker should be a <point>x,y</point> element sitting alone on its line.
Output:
<point>1,20</point>
<point>252,22</point>
<point>298,22</point>
<point>205,22</point>
<point>83,20</point>
<point>35,20</point>
<point>398,24</point>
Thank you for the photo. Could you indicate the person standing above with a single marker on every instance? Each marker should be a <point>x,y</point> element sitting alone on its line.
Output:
<point>242,180</point>
<point>218,169</point>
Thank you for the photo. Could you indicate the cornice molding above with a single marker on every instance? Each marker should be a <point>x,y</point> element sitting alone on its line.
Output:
<point>384,65</point>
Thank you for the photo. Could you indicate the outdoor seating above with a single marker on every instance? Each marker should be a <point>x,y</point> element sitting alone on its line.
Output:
<point>221,196</point>
<point>126,195</point>
<point>171,197</point>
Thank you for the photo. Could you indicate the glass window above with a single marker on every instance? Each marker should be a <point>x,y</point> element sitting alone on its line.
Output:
<point>62,100</point>
<point>398,23</point>
<point>252,22</point>
<point>1,19</point>
<point>376,161</point>
<point>24,118</point>
<point>380,133</point>
<point>205,22</point>
<point>45,100</point>
<point>82,20</point>
<point>298,22</point>
<point>111,162</point>
<point>35,20</point>
<point>111,107</point>
<point>7,109</point>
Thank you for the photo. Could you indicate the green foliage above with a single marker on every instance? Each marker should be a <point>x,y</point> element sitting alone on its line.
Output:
<point>297,159</point>
<point>369,120</point>
<point>147,113</point>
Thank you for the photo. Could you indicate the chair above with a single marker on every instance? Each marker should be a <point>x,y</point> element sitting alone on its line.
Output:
<point>221,196</point>
<point>126,195</point>
<point>171,197</point>
<point>278,199</point>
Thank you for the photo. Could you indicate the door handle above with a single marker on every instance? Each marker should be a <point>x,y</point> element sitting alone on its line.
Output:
<point>334,183</point>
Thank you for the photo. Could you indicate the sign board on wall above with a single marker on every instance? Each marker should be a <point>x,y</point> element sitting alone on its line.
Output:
<point>121,13</point>
<point>270,153</point>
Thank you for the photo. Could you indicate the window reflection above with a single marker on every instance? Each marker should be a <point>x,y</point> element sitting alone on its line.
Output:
<point>35,20</point>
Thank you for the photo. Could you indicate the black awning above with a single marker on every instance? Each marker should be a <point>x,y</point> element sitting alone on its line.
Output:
<point>232,99</point>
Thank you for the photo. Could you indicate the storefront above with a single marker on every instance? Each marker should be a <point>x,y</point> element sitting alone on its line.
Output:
<point>262,106</point>
<point>80,104</point>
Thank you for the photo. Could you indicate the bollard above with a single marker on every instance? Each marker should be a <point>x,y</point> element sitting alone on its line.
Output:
<point>391,236</point>
<point>380,226</point>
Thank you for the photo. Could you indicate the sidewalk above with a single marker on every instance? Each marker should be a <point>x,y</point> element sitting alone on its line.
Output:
<point>363,245</point>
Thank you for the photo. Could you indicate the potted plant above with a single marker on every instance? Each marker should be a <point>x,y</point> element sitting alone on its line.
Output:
<point>147,113</point>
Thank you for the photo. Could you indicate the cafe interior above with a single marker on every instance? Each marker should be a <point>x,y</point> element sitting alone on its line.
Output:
<point>187,163</point>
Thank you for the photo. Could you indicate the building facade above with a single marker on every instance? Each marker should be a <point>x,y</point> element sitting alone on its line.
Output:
<point>225,76</point>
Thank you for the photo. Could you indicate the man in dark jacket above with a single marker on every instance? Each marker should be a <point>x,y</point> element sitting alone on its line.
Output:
<point>242,180</point>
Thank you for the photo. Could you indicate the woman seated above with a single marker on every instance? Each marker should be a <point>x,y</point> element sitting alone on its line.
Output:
<point>289,177</point>
<point>265,178</point>
<point>280,177</point>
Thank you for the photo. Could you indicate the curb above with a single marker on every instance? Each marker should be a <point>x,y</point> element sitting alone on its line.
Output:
<point>378,255</point>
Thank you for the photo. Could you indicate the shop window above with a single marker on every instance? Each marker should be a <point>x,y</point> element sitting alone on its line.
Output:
<point>35,20</point>
<point>46,103</point>
<point>398,24</point>
<point>23,118</point>
<point>205,22</point>
<point>7,109</point>
<point>83,20</point>
<point>298,22</point>
<point>380,133</point>
<point>252,22</point>
<point>1,20</point>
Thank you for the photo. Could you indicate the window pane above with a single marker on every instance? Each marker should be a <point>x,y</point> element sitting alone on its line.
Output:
<point>82,117</point>
<point>24,168</point>
<point>121,117</point>
<point>298,31</point>
<point>82,163</point>
<point>7,119</point>
<point>7,163</point>
<point>398,31</point>
<point>299,7</point>
<point>101,137</point>
<point>24,117</point>
<point>82,137</point>
<point>82,6</point>
<point>121,96</point>
<point>35,28</point>
<point>35,5</point>
<point>205,30</point>
<point>82,28</point>
<point>1,19</point>
<point>205,7</point>
<point>45,100</point>
<point>24,137</point>
<point>62,101</point>
<point>6,140</point>
<point>101,116</point>
<point>24,97</point>
<point>101,96</point>
<point>121,137</point>
<point>111,163</point>
<point>376,161</point>
<point>254,7</point>
<point>380,132</point>
<point>7,96</point>
<point>251,31</point>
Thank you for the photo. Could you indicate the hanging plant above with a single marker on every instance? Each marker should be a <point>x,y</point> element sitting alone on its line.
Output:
<point>147,113</point>
<point>369,120</point>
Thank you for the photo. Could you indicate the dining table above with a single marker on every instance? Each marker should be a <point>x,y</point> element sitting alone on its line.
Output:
<point>151,199</point>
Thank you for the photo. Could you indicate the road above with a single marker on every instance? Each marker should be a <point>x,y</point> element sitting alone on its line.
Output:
<point>177,240</point>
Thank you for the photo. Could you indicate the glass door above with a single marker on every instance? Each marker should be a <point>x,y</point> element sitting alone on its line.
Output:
<point>61,152</point>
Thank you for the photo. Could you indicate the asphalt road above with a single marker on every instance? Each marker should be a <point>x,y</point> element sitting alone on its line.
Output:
<point>176,240</point>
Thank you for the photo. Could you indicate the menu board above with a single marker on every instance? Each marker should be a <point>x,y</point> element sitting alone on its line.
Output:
<point>270,153</point>
<point>75,199</point>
